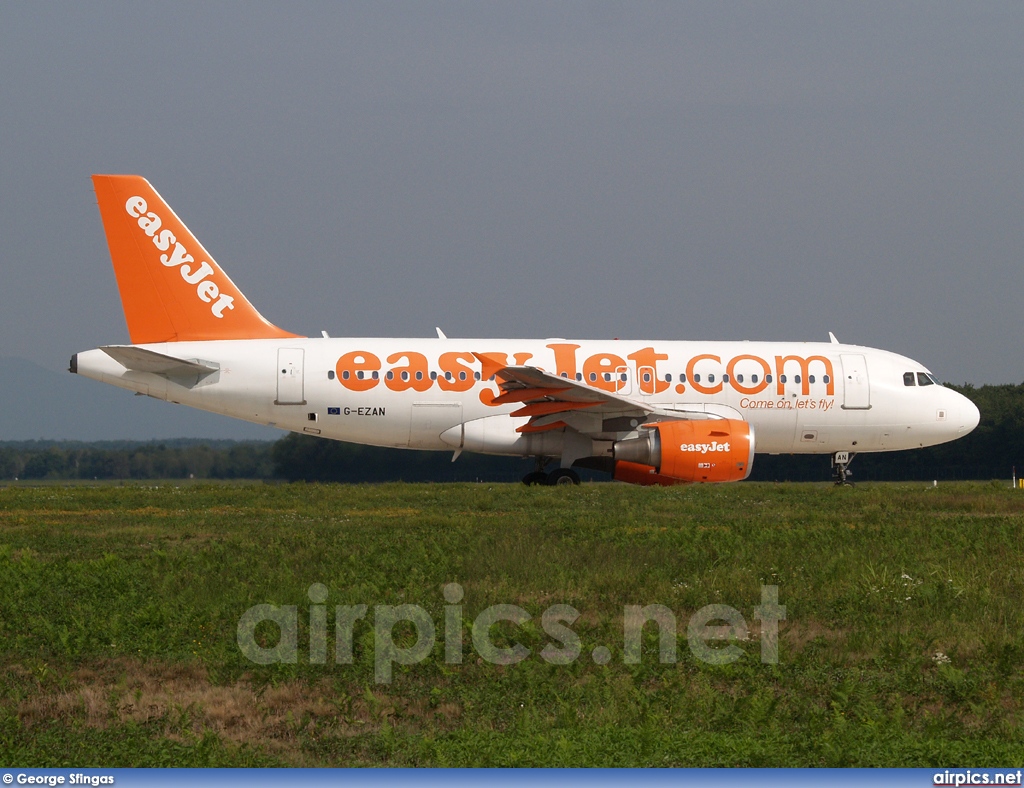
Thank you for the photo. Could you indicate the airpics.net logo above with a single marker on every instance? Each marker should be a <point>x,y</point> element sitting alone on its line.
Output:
<point>712,633</point>
<point>972,777</point>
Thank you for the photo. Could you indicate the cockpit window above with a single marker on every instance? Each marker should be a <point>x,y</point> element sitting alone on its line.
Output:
<point>908,379</point>
<point>924,379</point>
<point>933,379</point>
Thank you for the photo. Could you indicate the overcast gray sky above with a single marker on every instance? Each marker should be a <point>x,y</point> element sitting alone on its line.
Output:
<point>650,170</point>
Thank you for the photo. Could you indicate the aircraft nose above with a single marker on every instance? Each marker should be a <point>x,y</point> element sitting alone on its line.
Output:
<point>969,415</point>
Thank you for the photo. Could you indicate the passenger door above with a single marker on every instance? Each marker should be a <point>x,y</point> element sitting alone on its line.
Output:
<point>856,387</point>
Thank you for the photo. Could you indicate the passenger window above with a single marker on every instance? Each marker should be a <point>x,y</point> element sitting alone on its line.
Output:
<point>782,378</point>
<point>796,378</point>
<point>711,378</point>
<point>810,378</point>
<point>908,378</point>
<point>696,378</point>
<point>768,379</point>
<point>825,379</point>
<point>739,378</point>
<point>668,377</point>
<point>725,378</point>
<point>923,379</point>
<point>753,379</point>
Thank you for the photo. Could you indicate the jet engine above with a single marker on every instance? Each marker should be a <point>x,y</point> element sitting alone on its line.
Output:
<point>674,452</point>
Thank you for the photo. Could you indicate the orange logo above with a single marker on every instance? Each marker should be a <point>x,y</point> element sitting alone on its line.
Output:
<point>207,290</point>
<point>463,370</point>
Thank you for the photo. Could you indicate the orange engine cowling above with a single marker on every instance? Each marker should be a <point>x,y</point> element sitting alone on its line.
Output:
<point>673,452</point>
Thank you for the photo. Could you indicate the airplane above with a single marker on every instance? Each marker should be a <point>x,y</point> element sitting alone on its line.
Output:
<point>647,412</point>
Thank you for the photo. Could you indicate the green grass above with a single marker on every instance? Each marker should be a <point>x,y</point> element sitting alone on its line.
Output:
<point>903,644</point>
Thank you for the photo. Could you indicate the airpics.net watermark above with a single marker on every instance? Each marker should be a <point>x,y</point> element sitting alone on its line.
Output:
<point>556,621</point>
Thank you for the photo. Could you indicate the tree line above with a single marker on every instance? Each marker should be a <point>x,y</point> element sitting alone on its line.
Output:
<point>177,459</point>
<point>989,452</point>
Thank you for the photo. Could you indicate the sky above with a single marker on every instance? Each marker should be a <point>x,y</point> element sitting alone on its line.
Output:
<point>573,169</point>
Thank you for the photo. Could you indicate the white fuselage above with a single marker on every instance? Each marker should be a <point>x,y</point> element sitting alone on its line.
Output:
<point>814,398</point>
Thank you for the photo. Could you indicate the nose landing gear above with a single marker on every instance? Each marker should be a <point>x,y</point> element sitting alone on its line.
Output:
<point>841,472</point>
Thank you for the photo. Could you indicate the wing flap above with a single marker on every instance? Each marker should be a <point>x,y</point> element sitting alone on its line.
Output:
<point>555,402</point>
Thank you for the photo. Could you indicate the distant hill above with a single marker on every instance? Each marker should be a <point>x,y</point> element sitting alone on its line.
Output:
<point>38,404</point>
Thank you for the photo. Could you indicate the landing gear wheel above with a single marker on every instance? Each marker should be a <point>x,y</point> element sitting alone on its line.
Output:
<point>561,476</point>
<point>538,475</point>
<point>841,472</point>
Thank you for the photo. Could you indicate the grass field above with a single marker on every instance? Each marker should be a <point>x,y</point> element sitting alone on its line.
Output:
<point>903,643</point>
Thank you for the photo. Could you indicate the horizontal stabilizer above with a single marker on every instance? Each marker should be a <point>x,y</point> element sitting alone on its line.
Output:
<point>185,372</point>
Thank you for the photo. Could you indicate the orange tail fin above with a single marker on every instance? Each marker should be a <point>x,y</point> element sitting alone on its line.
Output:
<point>172,290</point>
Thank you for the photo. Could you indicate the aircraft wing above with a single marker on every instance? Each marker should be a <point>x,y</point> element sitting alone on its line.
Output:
<point>554,402</point>
<point>185,372</point>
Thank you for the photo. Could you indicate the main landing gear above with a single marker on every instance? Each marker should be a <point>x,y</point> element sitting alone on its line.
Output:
<point>561,476</point>
<point>557,477</point>
<point>841,472</point>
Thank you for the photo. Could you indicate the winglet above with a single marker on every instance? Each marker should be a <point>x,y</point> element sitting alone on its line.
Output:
<point>491,365</point>
<point>172,290</point>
